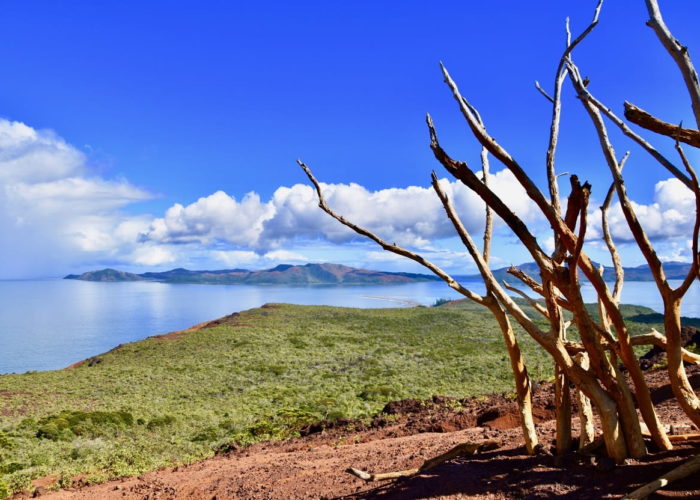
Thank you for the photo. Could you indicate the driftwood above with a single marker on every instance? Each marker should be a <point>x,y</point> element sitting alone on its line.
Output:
<point>461,450</point>
<point>689,467</point>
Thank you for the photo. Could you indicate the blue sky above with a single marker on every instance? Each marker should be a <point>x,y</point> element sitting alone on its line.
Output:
<point>146,135</point>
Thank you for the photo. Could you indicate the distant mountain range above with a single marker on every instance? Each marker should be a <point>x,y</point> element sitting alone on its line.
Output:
<point>285,274</point>
<point>673,270</point>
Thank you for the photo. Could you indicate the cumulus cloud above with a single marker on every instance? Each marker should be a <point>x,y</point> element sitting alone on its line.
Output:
<point>153,255</point>
<point>410,216</point>
<point>217,217</point>
<point>59,215</point>
<point>671,214</point>
<point>52,208</point>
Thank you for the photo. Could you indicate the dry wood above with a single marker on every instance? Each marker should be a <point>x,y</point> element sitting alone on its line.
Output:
<point>535,286</point>
<point>679,53</point>
<point>522,380</point>
<point>461,450</point>
<point>684,470</point>
<point>601,342</point>
<point>550,341</point>
<point>533,303</point>
<point>460,170</point>
<point>645,120</point>
<point>560,76</point>
<point>679,381</point>
<point>680,438</point>
<point>585,412</point>
<point>628,357</point>
<point>695,269</point>
<point>665,162</point>
<point>658,339</point>
<point>592,447</point>
<point>614,254</point>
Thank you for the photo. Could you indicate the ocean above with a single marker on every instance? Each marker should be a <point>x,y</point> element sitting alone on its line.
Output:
<point>51,323</point>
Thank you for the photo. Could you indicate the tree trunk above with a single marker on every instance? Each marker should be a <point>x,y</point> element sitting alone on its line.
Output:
<point>523,388</point>
<point>585,412</point>
<point>676,372</point>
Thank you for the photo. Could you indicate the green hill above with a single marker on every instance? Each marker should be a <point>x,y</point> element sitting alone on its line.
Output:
<point>256,375</point>
<point>260,374</point>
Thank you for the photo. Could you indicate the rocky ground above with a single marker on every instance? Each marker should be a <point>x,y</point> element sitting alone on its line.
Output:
<point>402,437</point>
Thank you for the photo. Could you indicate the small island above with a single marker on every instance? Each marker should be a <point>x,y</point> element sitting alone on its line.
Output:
<point>284,274</point>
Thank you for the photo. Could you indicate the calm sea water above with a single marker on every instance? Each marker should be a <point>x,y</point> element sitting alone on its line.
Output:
<point>50,324</point>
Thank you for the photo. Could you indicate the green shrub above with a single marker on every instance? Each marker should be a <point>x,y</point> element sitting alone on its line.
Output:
<point>6,442</point>
<point>11,467</point>
<point>207,434</point>
<point>4,489</point>
<point>70,423</point>
<point>440,302</point>
<point>378,393</point>
<point>160,422</point>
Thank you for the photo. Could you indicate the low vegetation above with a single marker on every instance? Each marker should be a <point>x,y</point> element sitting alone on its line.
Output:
<point>263,375</point>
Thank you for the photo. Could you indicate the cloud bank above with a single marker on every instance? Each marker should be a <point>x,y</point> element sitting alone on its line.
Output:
<point>58,216</point>
<point>53,211</point>
<point>410,216</point>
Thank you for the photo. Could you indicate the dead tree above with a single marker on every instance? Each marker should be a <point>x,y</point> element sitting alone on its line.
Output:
<point>591,364</point>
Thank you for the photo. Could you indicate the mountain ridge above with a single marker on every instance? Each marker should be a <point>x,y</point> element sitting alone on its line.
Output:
<point>283,274</point>
<point>672,269</point>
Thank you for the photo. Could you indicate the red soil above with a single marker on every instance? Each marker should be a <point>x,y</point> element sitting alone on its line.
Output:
<point>313,466</point>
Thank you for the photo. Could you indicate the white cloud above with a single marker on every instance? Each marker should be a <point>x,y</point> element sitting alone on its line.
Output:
<point>285,256</point>
<point>153,256</point>
<point>58,216</point>
<point>411,216</point>
<point>236,258</point>
<point>670,215</point>
<point>30,156</point>
<point>213,218</point>
<point>52,211</point>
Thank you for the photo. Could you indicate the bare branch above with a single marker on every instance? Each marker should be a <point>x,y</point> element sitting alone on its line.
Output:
<point>679,53</point>
<point>642,390</point>
<point>451,282</point>
<point>488,216</point>
<point>659,340</point>
<point>638,232</point>
<point>464,449</point>
<point>693,272</point>
<point>576,255</point>
<point>684,470</point>
<point>495,148</point>
<point>645,120</point>
<point>462,172</point>
<point>607,236</point>
<point>457,169</point>
<point>560,75</point>
<point>535,305</point>
<point>457,223</point>
<point>665,162</point>
<point>490,281</point>
<point>543,92</point>
<point>535,286</point>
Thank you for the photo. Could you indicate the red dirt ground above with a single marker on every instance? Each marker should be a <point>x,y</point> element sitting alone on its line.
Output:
<point>407,433</point>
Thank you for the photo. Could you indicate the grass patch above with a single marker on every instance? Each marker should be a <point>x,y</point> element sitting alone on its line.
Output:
<point>160,402</point>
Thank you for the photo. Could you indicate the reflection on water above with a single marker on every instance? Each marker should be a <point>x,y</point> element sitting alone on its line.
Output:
<point>49,324</point>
